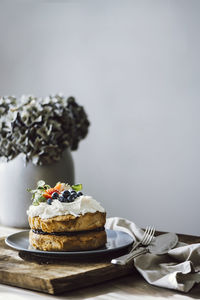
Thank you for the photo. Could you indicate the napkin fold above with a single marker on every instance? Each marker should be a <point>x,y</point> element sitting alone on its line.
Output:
<point>178,269</point>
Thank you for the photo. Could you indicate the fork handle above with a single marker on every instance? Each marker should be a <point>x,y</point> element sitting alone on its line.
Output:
<point>125,259</point>
<point>135,245</point>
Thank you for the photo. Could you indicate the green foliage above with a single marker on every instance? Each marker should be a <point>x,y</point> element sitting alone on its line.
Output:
<point>77,187</point>
<point>40,128</point>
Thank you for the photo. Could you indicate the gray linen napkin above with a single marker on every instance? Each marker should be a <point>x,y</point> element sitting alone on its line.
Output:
<point>178,269</point>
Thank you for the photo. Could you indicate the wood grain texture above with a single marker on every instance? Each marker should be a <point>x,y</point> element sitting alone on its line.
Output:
<point>53,277</point>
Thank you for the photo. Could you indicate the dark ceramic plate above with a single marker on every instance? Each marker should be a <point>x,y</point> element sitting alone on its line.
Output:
<point>116,240</point>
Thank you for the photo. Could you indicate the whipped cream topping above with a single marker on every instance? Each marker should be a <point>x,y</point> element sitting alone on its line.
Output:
<point>82,205</point>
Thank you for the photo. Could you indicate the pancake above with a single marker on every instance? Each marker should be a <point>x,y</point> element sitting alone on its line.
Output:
<point>88,221</point>
<point>86,240</point>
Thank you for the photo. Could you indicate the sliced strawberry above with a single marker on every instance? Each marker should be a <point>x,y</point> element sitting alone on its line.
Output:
<point>46,195</point>
<point>58,186</point>
<point>49,192</point>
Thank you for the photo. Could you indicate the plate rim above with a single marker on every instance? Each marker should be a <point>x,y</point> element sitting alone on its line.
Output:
<point>67,253</point>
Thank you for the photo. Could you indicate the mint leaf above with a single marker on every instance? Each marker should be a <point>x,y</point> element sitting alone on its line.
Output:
<point>38,199</point>
<point>31,191</point>
<point>46,187</point>
<point>40,183</point>
<point>77,187</point>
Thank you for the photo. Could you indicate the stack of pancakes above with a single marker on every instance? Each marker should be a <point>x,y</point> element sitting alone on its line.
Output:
<point>68,232</point>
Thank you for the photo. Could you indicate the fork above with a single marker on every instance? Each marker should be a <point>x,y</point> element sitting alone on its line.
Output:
<point>145,241</point>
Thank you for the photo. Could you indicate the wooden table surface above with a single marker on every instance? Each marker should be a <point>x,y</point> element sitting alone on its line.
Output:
<point>129,287</point>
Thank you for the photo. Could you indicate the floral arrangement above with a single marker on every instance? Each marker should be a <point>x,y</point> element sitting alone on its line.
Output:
<point>40,128</point>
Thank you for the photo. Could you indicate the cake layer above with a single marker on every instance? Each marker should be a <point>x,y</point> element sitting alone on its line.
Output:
<point>88,221</point>
<point>82,241</point>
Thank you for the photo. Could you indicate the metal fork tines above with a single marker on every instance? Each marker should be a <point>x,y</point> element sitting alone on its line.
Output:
<point>145,241</point>
<point>146,238</point>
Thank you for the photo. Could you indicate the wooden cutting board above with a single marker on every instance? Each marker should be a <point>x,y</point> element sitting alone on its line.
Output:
<point>54,277</point>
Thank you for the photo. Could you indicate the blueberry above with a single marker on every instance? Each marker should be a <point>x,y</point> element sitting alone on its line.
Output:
<point>55,195</point>
<point>62,199</point>
<point>49,201</point>
<point>73,192</point>
<point>70,198</point>
<point>74,196</point>
<point>79,194</point>
<point>66,193</point>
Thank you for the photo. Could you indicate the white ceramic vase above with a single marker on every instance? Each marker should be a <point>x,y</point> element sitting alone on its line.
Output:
<point>15,178</point>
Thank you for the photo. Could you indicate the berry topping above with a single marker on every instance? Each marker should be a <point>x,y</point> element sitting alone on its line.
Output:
<point>62,199</point>
<point>73,192</point>
<point>66,193</point>
<point>48,193</point>
<point>49,201</point>
<point>55,195</point>
<point>79,194</point>
<point>61,191</point>
<point>70,198</point>
<point>58,186</point>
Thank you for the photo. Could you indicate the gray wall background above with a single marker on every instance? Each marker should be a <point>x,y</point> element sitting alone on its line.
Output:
<point>135,67</point>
